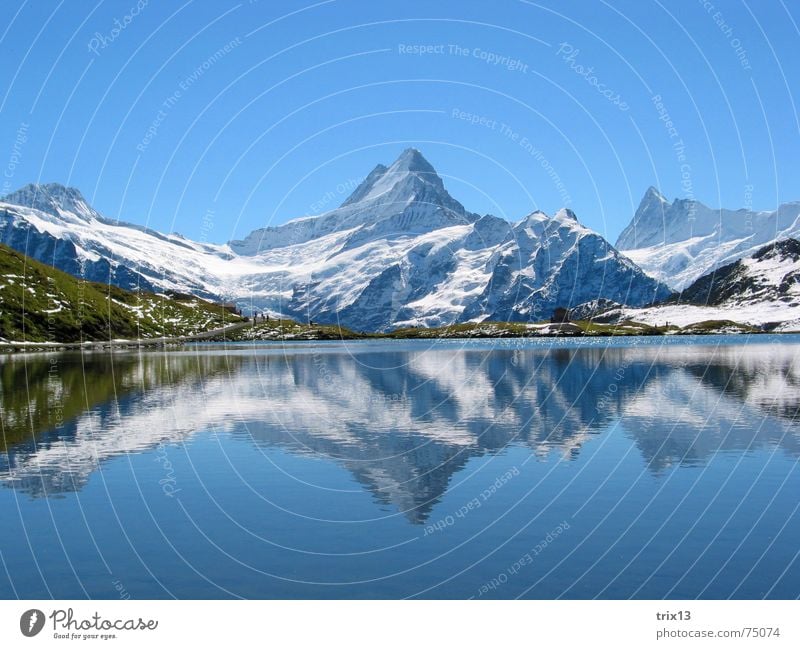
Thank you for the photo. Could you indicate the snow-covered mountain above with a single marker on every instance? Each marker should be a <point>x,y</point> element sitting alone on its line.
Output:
<point>399,251</point>
<point>679,242</point>
<point>772,274</point>
<point>547,262</point>
<point>55,225</point>
<point>407,197</point>
<point>761,290</point>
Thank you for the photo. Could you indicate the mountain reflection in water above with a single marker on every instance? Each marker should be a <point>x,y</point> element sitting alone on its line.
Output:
<point>403,419</point>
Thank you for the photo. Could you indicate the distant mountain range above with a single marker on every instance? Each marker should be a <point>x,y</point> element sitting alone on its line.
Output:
<point>679,242</point>
<point>762,290</point>
<point>400,252</point>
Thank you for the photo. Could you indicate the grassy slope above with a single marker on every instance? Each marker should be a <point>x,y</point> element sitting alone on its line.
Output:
<point>41,304</point>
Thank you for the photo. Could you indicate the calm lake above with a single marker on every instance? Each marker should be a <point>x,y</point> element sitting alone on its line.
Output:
<point>641,468</point>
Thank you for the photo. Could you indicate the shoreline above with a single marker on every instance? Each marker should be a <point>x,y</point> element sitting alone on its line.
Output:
<point>200,341</point>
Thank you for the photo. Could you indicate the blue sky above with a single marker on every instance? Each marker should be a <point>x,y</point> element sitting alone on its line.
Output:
<point>215,118</point>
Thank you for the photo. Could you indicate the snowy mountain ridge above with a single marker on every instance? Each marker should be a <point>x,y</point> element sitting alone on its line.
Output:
<point>400,251</point>
<point>679,242</point>
<point>761,290</point>
<point>408,193</point>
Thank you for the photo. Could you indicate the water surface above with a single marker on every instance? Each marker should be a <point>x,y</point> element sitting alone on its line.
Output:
<point>644,468</point>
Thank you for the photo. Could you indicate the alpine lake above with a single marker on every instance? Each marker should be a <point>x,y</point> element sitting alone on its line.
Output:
<point>641,467</point>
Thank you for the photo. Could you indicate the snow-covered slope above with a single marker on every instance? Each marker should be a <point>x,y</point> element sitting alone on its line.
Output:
<point>406,197</point>
<point>761,290</point>
<point>681,241</point>
<point>548,262</point>
<point>770,275</point>
<point>399,251</point>
<point>56,226</point>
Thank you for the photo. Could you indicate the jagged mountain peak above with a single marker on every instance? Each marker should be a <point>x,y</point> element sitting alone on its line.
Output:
<point>649,223</point>
<point>563,217</point>
<point>406,196</point>
<point>366,185</point>
<point>409,178</point>
<point>653,204</point>
<point>653,193</point>
<point>566,214</point>
<point>54,199</point>
<point>412,160</point>
<point>681,241</point>
<point>537,216</point>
